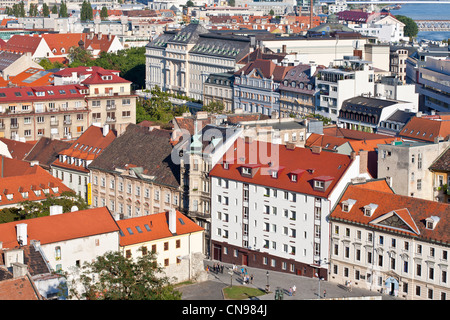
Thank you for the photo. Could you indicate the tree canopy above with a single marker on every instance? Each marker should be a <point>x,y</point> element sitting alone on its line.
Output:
<point>410,30</point>
<point>158,108</point>
<point>34,209</point>
<point>120,278</point>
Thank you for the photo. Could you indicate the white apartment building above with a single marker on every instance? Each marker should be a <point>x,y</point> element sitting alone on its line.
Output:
<point>434,78</point>
<point>271,211</point>
<point>346,79</point>
<point>387,29</point>
<point>393,244</point>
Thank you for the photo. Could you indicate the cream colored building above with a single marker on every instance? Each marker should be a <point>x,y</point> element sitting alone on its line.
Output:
<point>133,179</point>
<point>174,238</point>
<point>384,242</point>
<point>58,112</point>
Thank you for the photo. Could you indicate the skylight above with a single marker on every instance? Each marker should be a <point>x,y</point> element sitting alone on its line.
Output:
<point>130,231</point>
<point>147,227</point>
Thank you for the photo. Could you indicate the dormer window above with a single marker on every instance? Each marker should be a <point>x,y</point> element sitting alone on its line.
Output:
<point>322,183</point>
<point>347,205</point>
<point>431,222</point>
<point>226,166</point>
<point>246,170</point>
<point>370,209</point>
<point>274,174</point>
<point>319,184</point>
<point>294,178</point>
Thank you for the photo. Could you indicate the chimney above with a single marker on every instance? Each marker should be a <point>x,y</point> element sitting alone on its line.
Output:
<point>173,221</point>
<point>21,231</point>
<point>13,256</point>
<point>105,130</point>
<point>54,210</point>
<point>316,149</point>
<point>19,269</point>
<point>363,161</point>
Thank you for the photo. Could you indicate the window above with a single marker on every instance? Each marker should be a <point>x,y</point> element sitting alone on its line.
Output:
<point>166,246</point>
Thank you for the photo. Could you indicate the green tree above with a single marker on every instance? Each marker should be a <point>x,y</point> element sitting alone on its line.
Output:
<point>410,30</point>
<point>189,3</point>
<point>63,10</point>
<point>86,12</point>
<point>79,57</point>
<point>271,12</point>
<point>33,209</point>
<point>214,107</point>
<point>120,278</point>
<point>55,9</point>
<point>104,13</point>
<point>21,9</point>
<point>45,10</point>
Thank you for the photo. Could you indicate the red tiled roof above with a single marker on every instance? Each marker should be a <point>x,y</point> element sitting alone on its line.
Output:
<point>87,147</point>
<point>316,165</point>
<point>267,69</point>
<point>411,211</point>
<point>158,223</point>
<point>17,149</point>
<point>20,184</point>
<point>19,94</point>
<point>425,129</point>
<point>61,227</point>
<point>22,43</point>
<point>20,288</point>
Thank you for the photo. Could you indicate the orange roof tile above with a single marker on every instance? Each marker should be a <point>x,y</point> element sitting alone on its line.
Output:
<point>412,212</point>
<point>158,224</point>
<point>316,165</point>
<point>425,129</point>
<point>22,187</point>
<point>18,289</point>
<point>61,227</point>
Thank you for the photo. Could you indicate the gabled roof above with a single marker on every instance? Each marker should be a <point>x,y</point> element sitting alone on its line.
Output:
<point>442,163</point>
<point>61,227</point>
<point>7,58</point>
<point>132,148</point>
<point>17,149</point>
<point>395,213</point>
<point>30,186</point>
<point>87,147</point>
<point>22,43</point>
<point>46,151</point>
<point>21,288</point>
<point>352,134</point>
<point>267,68</point>
<point>425,129</point>
<point>266,155</point>
<point>158,225</point>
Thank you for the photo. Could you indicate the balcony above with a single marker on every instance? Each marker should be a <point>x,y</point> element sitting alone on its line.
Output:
<point>2,126</point>
<point>67,121</point>
<point>14,126</point>
<point>110,120</point>
<point>110,107</point>
<point>54,123</point>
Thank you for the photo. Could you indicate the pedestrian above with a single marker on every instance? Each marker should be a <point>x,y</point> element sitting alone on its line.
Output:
<point>290,291</point>
<point>324,293</point>
<point>294,288</point>
<point>221,268</point>
<point>251,278</point>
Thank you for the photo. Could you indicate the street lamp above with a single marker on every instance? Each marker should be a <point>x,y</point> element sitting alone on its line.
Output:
<point>231,277</point>
<point>267,286</point>
<point>318,273</point>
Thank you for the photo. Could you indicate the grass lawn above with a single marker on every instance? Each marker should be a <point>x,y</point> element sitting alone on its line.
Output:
<point>241,292</point>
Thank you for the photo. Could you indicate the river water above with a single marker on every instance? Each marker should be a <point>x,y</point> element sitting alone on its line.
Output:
<point>427,12</point>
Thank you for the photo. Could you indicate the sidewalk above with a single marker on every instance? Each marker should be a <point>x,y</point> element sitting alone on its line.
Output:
<point>307,288</point>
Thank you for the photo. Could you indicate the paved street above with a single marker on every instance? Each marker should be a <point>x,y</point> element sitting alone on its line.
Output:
<point>307,288</point>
